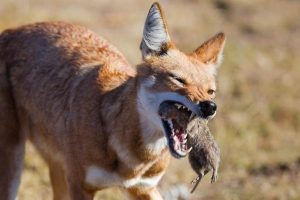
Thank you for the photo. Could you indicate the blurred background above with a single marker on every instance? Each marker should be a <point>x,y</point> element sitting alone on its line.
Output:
<point>258,121</point>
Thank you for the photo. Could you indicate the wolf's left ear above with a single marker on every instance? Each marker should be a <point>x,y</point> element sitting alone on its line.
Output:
<point>155,36</point>
<point>211,51</point>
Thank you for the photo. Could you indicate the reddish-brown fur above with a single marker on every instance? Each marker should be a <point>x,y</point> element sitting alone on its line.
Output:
<point>74,96</point>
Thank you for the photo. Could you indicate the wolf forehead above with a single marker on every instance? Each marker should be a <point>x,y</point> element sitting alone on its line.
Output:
<point>184,65</point>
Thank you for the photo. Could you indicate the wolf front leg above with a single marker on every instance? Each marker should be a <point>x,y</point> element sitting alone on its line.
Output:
<point>137,193</point>
<point>11,141</point>
<point>77,191</point>
<point>58,181</point>
<point>11,162</point>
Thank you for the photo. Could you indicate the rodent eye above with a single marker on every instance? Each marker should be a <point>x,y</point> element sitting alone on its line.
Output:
<point>177,78</point>
<point>211,91</point>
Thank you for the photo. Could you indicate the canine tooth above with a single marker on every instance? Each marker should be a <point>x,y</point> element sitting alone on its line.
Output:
<point>184,141</point>
<point>191,116</point>
<point>189,150</point>
<point>170,123</point>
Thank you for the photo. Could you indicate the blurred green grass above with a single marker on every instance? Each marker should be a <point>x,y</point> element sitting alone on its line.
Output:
<point>258,120</point>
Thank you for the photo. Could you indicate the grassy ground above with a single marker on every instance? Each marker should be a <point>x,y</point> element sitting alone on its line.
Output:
<point>258,122</point>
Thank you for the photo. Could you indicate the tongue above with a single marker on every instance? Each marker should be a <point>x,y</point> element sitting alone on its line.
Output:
<point>180,135</point>
<point>179,143</point>
<point>179,139</point>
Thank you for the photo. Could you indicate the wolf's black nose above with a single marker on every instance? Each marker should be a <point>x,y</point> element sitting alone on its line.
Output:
<point>208,108</point>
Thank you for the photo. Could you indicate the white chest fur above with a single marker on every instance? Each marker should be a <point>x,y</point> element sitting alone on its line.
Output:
<point>98,177</point>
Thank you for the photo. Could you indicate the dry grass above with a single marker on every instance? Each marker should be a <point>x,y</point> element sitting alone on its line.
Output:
<point>259,97</point>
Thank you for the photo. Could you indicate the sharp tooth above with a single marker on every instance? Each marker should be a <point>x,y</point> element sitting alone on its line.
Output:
<point>189,150</point>
<point>184,141</point>
<point>173,133</point>
<point>185,136</point>
<point>191,116</point>
<point>170,123</point>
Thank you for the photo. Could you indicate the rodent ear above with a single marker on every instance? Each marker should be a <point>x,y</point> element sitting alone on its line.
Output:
<point>155,36</point>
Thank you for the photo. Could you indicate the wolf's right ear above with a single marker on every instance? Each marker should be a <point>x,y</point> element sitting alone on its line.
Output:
<point>155,36</point>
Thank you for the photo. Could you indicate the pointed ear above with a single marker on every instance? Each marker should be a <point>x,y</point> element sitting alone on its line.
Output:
<point>211,51</point>
<point>155,36</point>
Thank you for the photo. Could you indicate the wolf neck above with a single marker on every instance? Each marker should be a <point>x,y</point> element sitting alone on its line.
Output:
<point>146,138</point>
<point>152,133</point>
<point>153,137</point>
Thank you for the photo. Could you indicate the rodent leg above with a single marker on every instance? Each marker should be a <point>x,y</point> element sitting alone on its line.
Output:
<point>196,182</point>
<point>214,176</point>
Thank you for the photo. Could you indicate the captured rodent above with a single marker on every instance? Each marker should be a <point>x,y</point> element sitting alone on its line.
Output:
<point>205,155</point>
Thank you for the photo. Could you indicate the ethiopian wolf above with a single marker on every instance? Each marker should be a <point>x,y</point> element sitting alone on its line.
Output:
<point>97,121</point>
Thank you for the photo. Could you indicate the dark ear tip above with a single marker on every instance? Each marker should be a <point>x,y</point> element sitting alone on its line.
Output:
<point>220,35</point>
<point>155,4</point>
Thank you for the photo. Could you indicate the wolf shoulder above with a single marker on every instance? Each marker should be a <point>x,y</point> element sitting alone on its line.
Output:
<point>60,44</point>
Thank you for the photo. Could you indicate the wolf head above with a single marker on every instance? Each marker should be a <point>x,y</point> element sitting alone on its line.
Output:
<point>175,87</point>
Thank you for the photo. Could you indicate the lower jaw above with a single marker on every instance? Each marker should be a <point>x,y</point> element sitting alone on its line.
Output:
<point>175,140</point>
<point>176,153</point>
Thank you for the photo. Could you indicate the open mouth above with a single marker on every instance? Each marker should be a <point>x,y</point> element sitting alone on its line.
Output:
<point>175,118</point>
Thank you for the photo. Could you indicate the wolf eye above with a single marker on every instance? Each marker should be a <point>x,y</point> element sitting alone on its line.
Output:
<point>177,78</point>
<point>211,92</point>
